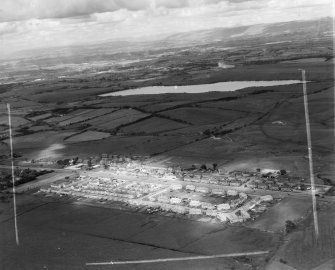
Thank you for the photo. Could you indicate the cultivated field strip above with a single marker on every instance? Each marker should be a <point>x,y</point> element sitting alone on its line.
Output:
<point>87,115</point>
<point>116,119</point>
<point>153,125</point>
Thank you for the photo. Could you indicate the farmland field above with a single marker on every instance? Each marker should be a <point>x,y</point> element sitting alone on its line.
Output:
<point>287,209</point>
<point>116,119</point>
<point>88,136</point>
<point>16,120</point>
<point>153,125</point>
<point>198,116</point>
<point>86,115</point>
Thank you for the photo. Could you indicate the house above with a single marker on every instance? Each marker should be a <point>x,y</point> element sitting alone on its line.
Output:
<point>194,203</point>
<point>190,187</point>
<point>267,198</point>
<point>231,192</point>
<point>234,218</point>
<point>163,199</point>
<point>222,217</point>
<point>243,195</point>
<point>202,189</point>
<point>235,183</point>
<point>178,209</point>
<point>206,205</point>
<point>195,211</point>
<point>218,191</point>
<point>176,187</point>
<point>211,213</point>
<point>175,200</point>
<point>223,206</point>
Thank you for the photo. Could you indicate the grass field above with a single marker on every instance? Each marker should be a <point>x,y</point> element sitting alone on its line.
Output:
<point>88,136</point>
<point>16,120</point>
<point>301,251</point>
<point>116,119</point>
<point>199,116</point>
<point>274,219</point>
<point>66,236</point>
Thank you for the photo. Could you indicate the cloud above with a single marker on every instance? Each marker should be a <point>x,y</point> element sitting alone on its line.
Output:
<point>42,23</point>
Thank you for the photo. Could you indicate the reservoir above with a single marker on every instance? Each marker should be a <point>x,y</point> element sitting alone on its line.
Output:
<point>200,88</point>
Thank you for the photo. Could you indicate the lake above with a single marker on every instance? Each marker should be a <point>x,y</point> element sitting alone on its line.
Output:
<point>200,88</point>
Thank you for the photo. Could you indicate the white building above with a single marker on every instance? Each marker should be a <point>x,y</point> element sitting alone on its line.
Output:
<point>231,192</point>
<point>218,191</point>
<point>190,187</point>
<point>175,200</point>
<point>194,203</point>
<point>222,217</point>
<point>202,189</point>
<point>176,187</point>
<point>195,211</point>
<point>223,206</point>
<point>267,198</point>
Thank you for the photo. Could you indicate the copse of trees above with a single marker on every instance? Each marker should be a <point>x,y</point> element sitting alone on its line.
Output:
<point>21,176</point>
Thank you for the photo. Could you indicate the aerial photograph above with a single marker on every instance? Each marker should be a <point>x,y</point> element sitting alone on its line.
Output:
<point>167,135</point>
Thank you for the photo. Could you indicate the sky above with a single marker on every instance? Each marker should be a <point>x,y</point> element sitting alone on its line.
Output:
<point>29,24</point>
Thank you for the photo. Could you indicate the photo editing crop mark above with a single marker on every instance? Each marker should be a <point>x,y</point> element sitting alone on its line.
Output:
<point>190,258</point>
<point>13,176</point>
<point>310,154</point>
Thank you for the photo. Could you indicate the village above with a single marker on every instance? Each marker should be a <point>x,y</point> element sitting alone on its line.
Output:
<point>210,194</point>
<point>139,166</point>
<point>216,204</point>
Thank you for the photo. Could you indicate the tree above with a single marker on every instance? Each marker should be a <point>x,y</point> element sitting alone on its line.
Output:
<point>203,167</point>
<point>215,166</point>
<point>282,172</point>
<point>290,226</point>
<point>89,163</point>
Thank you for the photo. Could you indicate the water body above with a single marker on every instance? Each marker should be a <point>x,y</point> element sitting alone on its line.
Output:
<point>200,88</point>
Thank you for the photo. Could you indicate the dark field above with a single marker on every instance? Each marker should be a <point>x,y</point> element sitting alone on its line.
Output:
<point>60,235</point>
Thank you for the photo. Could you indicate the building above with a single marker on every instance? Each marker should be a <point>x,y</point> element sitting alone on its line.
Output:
<point>175,200</point>
<point>176,187</point>
<point>195,211</point>
<point>202,189</point>
<point>222,217</point>
<point>218,191</point>
<point>267,198</point>
<point>194,203</point>
<point>231,192</point>
<point>211,213</point>
<point>206,205</point>
<point>190,187</point>
<point>223,206</point>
